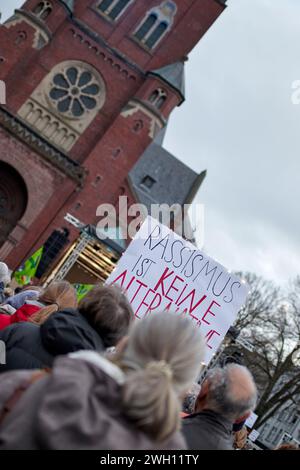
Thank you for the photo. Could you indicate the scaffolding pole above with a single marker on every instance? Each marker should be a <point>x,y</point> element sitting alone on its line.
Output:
<point>83,241</point>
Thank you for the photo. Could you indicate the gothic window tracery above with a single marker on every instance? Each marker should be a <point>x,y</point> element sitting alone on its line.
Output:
<point>75,92</point>
<point>113,9</point>
<point>158,98</point>
<point>65,103</point>
<point>43,10</point>
<point>157,23</point>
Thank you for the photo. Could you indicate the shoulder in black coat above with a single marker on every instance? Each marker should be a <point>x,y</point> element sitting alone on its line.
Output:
<point>30,346</point>
<point>207,430</point>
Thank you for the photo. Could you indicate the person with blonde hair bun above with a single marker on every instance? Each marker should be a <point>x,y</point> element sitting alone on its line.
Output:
<point>127,401</point>
<point>99,322</point>
<point>23,338</point>
<point>161,359</point>
<point>56,297</point>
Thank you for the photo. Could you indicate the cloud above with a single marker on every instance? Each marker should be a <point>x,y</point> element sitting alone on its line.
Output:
<point>274,257</point>
<point>240,124</point>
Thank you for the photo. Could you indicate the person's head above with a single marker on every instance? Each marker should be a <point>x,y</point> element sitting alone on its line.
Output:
<point>229,391</point>
<point>8,292</point>
<point>161,359</point>
<point>4,274</point>
<point>288,446</point>
<point>108,311</point>
<point>56,297</point>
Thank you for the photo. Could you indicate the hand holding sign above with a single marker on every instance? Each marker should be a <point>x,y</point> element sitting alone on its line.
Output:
<point>162,272</point>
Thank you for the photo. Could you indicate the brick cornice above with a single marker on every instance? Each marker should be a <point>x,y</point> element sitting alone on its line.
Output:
<point>57,158</point>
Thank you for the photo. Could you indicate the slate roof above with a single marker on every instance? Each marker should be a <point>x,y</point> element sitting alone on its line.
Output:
<point>170,180</point>
<point>173,182</point>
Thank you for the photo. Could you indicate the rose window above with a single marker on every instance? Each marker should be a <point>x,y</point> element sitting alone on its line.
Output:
<point>75,92</point>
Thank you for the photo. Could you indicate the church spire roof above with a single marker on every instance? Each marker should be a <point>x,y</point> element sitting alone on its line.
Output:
<point>69,4</point>
<point>174,75</point>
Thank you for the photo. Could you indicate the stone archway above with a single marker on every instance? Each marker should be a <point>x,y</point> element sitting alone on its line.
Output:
<point>13,200</point>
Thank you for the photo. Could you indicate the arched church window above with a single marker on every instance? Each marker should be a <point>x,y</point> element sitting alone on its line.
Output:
<point>154,96</point>
<point>43,10</point>
<point>158,98</point>
<point>13,200</point>
<point>156,34</point>
<point>146,27</point>
<point>161,101</point>
<point>113,8</point>
<point>157,23</point>
<point>75,91</point>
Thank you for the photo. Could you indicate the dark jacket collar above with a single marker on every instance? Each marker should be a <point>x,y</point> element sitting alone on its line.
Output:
<point>207,430</point>
<point>213,417</point>
<point>68,331</point>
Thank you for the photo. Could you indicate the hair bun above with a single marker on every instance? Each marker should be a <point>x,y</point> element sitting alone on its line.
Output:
<point>162,367</point>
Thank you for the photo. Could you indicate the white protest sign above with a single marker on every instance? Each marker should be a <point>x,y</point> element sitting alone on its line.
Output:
<point>253,435</point>
<point>251,420</point>
<point>161,271</point>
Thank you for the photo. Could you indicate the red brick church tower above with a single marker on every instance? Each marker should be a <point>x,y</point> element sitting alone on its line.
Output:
<point>90,84</point>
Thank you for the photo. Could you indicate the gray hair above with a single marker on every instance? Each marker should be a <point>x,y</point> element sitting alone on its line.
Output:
<point>4,273</point>
<point>161,361</point>
<point>232,391</point>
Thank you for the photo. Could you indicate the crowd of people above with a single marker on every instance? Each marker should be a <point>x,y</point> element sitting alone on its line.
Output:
<point>88,376</point>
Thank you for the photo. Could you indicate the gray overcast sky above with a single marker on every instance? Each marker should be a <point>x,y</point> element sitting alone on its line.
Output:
<point>239,123</point>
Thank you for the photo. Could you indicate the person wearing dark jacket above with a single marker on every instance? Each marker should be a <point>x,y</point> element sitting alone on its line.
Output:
<point>57,296</point>
<point>101,320</point>
<point>126,401</point>
<point>226,395</point>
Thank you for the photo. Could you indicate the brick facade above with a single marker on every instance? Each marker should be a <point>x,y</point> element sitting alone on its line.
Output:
<point>95,169</point>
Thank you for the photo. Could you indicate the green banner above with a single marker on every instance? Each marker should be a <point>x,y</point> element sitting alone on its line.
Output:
<point>82,290</point>
<point>27,271</point>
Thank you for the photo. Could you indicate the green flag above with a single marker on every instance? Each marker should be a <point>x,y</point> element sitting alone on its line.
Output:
<point>82,290</point>
<point>27,271</point>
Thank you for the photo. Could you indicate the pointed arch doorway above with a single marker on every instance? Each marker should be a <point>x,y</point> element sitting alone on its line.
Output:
<point>13,200</point>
